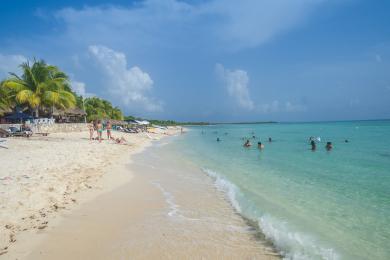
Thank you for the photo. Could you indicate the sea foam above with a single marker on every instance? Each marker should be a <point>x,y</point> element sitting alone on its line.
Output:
<point>291,244</point>
<point>169,199</point>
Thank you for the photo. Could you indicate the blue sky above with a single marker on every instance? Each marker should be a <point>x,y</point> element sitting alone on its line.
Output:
<point>213,60</point>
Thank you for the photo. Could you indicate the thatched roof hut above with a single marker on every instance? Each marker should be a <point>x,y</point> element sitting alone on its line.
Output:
<point>69,115</point>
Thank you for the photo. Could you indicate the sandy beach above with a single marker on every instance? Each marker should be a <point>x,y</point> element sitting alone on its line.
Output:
<point>77,199</point>
<point>42,177</point>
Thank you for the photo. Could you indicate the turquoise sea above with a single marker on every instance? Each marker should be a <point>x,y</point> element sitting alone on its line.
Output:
<point>311,205</point>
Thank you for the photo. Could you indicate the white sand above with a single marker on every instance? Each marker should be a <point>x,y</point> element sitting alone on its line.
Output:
<point>43,176</point>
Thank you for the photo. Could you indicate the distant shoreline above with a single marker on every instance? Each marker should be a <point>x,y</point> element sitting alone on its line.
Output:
<point>279,122</point>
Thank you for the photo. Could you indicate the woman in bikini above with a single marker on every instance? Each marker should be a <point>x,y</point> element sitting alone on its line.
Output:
<point>99,130</point>
<point>108,128</point>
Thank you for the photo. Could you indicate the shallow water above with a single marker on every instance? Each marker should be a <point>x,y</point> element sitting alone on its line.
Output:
<point>311,205</point>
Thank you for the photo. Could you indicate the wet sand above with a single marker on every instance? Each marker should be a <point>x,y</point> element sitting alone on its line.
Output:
<point>169,210</point>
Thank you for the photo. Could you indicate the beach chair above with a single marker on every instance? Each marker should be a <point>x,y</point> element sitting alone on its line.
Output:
<point>17,132</point>
<point>3,143</point>
<point>4,133</point>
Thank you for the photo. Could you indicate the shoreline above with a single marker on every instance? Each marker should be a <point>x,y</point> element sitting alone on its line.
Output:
<point>50,177</point>
<point>168,210</point>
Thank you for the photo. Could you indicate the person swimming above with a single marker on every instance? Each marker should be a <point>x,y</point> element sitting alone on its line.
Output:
<point>269,139</point>
<point>313,145</point>
<point>218,140</point>
<point>247,143</point>
<point>329,146</point>
<point>260,145</point>
<point>346,140</point>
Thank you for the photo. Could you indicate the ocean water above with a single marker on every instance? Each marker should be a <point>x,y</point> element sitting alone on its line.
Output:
<point>311,205</point>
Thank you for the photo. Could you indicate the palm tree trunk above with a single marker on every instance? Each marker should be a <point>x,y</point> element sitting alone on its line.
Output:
<point>37,112</point>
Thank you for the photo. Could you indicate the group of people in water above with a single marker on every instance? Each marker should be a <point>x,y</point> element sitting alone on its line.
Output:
<point>312,140</point>
<point>98,127</point>
<point>259,144</point>
<point>328,146</point>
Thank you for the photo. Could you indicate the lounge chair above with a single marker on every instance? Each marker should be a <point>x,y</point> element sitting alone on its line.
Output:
<point>131,130</point>
<point>3,143</point>
<point>4,133</point>
<point>14,131</point>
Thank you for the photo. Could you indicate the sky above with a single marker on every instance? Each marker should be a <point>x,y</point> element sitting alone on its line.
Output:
<point>212,60</point>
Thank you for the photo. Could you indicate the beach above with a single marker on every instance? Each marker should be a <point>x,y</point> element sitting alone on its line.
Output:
<point>66,197</point>
<point>42,177</point>
<point>179,196</point>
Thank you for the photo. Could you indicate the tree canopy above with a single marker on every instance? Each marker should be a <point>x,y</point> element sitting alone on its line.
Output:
<point>98,108</point>
<point>40,86</point>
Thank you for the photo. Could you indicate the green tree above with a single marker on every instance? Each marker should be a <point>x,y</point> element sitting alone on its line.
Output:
<point>98,108</point>
<point>5,102</point>
<point>128,118</point>
<point>116,113</point>
<point>40,86</point>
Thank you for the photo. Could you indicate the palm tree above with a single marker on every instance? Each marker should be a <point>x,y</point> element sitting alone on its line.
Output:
<point>40,86</point>
<point>5,102</point>
<point>97,108</point>
<point>116,113</point>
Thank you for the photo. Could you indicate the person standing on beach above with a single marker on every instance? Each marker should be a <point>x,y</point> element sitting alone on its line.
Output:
<point>99,130</point>
<point>108,128</point>
<point>91,129</point>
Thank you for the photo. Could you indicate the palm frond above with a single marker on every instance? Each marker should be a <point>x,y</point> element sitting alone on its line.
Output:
<point>14,85</point>
<point>24,96</point>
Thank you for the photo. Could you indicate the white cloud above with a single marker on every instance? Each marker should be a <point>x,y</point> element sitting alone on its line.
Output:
<point>126,85</point>
<point>244,24</point>
<point>226,24</point>
<point>79,88</point>
<point>10,63</point>
<point>237,85</point>
<point>236,82</point>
